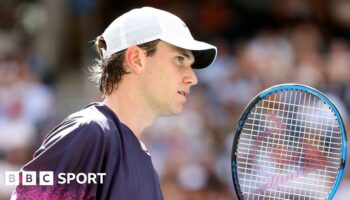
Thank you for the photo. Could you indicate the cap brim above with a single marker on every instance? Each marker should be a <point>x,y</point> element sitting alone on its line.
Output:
<point>204,53</point>
<point>203,58</point>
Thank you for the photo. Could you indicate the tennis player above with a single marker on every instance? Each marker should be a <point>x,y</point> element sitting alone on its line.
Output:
<point>145,70</point>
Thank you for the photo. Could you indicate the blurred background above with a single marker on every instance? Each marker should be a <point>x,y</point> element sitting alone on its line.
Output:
<point>46,47</point>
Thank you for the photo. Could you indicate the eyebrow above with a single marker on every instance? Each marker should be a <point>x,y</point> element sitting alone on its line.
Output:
<point>185,54</point>
<point>181,51</point>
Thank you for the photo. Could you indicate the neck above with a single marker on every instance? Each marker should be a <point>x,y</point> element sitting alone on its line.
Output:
<point>130,109</point>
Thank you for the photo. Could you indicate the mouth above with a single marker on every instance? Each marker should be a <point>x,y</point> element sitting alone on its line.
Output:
<point>184,93</point>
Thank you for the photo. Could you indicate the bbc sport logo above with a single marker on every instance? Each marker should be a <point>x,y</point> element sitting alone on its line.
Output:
<point>47,178</point>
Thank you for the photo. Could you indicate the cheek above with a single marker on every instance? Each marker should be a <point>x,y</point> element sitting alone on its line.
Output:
<point>163,75</point>
<point>156,82</point>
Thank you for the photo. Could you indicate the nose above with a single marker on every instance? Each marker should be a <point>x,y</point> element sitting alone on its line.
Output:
<point>191,77</point>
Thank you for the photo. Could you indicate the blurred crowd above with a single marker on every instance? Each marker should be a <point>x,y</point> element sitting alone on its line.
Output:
<point>260,45</point>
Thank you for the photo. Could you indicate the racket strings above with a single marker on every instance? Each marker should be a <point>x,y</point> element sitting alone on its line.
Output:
<point>289,147</point>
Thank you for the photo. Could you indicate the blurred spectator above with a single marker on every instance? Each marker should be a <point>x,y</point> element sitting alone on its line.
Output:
<point>309,64</point>
<point>25,102</point>
<point>260,44</point>
<point>270,57</point>
<point>338,62</point>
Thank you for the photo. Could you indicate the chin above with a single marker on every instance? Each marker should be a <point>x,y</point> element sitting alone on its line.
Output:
<point>178,112</point>
<point>179,109</point>
<point>174,111</point>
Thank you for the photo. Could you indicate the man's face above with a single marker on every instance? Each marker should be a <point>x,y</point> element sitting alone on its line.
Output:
<point>168,78</point>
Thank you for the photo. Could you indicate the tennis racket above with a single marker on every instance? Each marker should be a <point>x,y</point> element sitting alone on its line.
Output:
<point>290,143</point>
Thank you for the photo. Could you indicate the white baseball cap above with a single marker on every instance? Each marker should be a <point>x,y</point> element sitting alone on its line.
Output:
<point>146,24</point>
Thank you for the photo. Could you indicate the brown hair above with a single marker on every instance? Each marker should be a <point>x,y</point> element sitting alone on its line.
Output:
<point>107,72</point>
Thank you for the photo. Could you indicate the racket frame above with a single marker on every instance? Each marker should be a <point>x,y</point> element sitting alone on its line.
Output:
<point>261,96</point>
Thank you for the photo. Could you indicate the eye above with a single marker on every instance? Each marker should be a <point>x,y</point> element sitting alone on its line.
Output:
<point>180,59</point>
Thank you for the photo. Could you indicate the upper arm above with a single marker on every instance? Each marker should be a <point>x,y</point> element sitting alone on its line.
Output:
<point>76,148</point>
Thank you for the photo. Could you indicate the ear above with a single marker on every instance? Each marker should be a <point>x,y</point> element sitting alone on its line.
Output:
<point>134,59</point>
